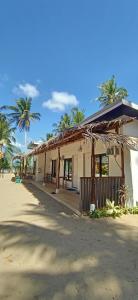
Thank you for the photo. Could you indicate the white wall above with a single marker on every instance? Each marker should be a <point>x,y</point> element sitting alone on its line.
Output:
<point>81,160</point>
<point>134,174</point>
<point>131,129</point>
<point>40,159</point>
<point>100,148</point>
<point>131,164</point>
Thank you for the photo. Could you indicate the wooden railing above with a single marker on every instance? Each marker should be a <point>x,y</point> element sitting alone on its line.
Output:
<point>101,189</point>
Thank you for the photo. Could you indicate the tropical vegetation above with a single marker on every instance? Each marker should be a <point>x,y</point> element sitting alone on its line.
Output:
<point>7,142</point>
<point>111,93</point>
<point>21,114</point>
<point>112,210</point>
<point>6,134</point>
<point>75,117</point>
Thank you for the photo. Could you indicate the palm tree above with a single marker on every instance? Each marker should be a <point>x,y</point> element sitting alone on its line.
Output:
<point>6,133</point>
<point>64,123</point>
<point>67,121</point>
<point>110,93</point>
<point>21,115</point>
<point>77,116</point>
<point>6,138</point>
<point>47,137</point>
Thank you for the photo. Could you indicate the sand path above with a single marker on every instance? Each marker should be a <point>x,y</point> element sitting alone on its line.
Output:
<point>48,253</point>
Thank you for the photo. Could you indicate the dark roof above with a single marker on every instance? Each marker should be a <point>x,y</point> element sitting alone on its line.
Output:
<point>114,111</point>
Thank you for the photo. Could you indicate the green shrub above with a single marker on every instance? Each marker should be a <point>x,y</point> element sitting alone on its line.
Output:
<point>112,211</point>
<point>133,210</point>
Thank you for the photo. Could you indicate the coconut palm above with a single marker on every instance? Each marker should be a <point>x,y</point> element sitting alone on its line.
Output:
<point>111,93</point>
<point>6,133</point>
<point>21,115</point>
<point>6,140</point>
<point>64,123</point>
<point>77,116</point>
<point>47,137</point>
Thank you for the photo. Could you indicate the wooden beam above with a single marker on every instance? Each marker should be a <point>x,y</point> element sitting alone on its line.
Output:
<point>122,162</point>
<point>122,157</point>
<point>93,171</point>
<point>93,158</point>
<point>58,169</point>
<point>45,166</point>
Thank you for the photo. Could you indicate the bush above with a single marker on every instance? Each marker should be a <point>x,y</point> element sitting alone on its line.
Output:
<point>112,211</point>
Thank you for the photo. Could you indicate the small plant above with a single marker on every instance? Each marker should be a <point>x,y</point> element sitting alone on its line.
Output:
<point>110,210</point>
<point>123,195</point>
<point>133,210</point>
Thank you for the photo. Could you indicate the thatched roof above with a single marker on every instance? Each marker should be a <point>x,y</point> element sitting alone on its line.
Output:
<point>98,130</point>
<point>113,138</point>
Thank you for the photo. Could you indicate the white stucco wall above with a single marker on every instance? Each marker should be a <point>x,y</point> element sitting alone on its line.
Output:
<point>131,129</point>
<point>131,164</point>
<point>39,167</point>
<point>81,161</point>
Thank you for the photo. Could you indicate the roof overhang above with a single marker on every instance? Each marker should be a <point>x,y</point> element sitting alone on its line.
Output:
<point>78,133</point>
<point>114,111</point>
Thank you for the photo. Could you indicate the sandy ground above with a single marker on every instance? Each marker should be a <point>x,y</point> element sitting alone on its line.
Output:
<point>48,253</point>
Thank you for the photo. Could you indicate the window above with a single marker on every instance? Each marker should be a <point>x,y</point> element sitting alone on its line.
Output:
<point>68,169</point>
<point>101,165</point>
<point>53,168</point>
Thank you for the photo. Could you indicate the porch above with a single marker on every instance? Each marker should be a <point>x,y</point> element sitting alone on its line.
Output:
<point>68,180</point>
<point>95,191</point>
<point>68,197</point>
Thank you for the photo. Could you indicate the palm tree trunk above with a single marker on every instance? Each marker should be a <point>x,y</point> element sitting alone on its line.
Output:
<point>25,138</point>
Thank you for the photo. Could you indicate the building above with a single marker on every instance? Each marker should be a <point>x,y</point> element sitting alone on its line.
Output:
<point>94,159</point>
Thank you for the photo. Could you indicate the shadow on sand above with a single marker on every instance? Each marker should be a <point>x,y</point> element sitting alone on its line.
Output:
<point>70,258</point>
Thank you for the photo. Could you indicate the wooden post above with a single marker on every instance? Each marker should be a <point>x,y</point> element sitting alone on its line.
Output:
<point>93,171</point>
<point>122,163</point>
<point>58,171</point>
<point>21,167</point>
<point>44,167</point>
<point>26,166</point>
<point>122,158</point>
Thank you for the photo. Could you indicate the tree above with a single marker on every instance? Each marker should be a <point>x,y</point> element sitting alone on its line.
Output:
<point>49,136</point>
<point>6,133</point>
<point>21,115</point>
<point>64,123</point>
<point>67,121</point>
<point>4,164</point>
<point>111,93</point>
<point>77,116</point>
<point>6,140</point>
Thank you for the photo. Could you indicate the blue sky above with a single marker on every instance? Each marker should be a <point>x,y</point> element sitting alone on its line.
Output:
<point>60,51</point>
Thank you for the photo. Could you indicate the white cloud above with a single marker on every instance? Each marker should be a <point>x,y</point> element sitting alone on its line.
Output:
<point>27,90</point>
<point>60,100</point>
